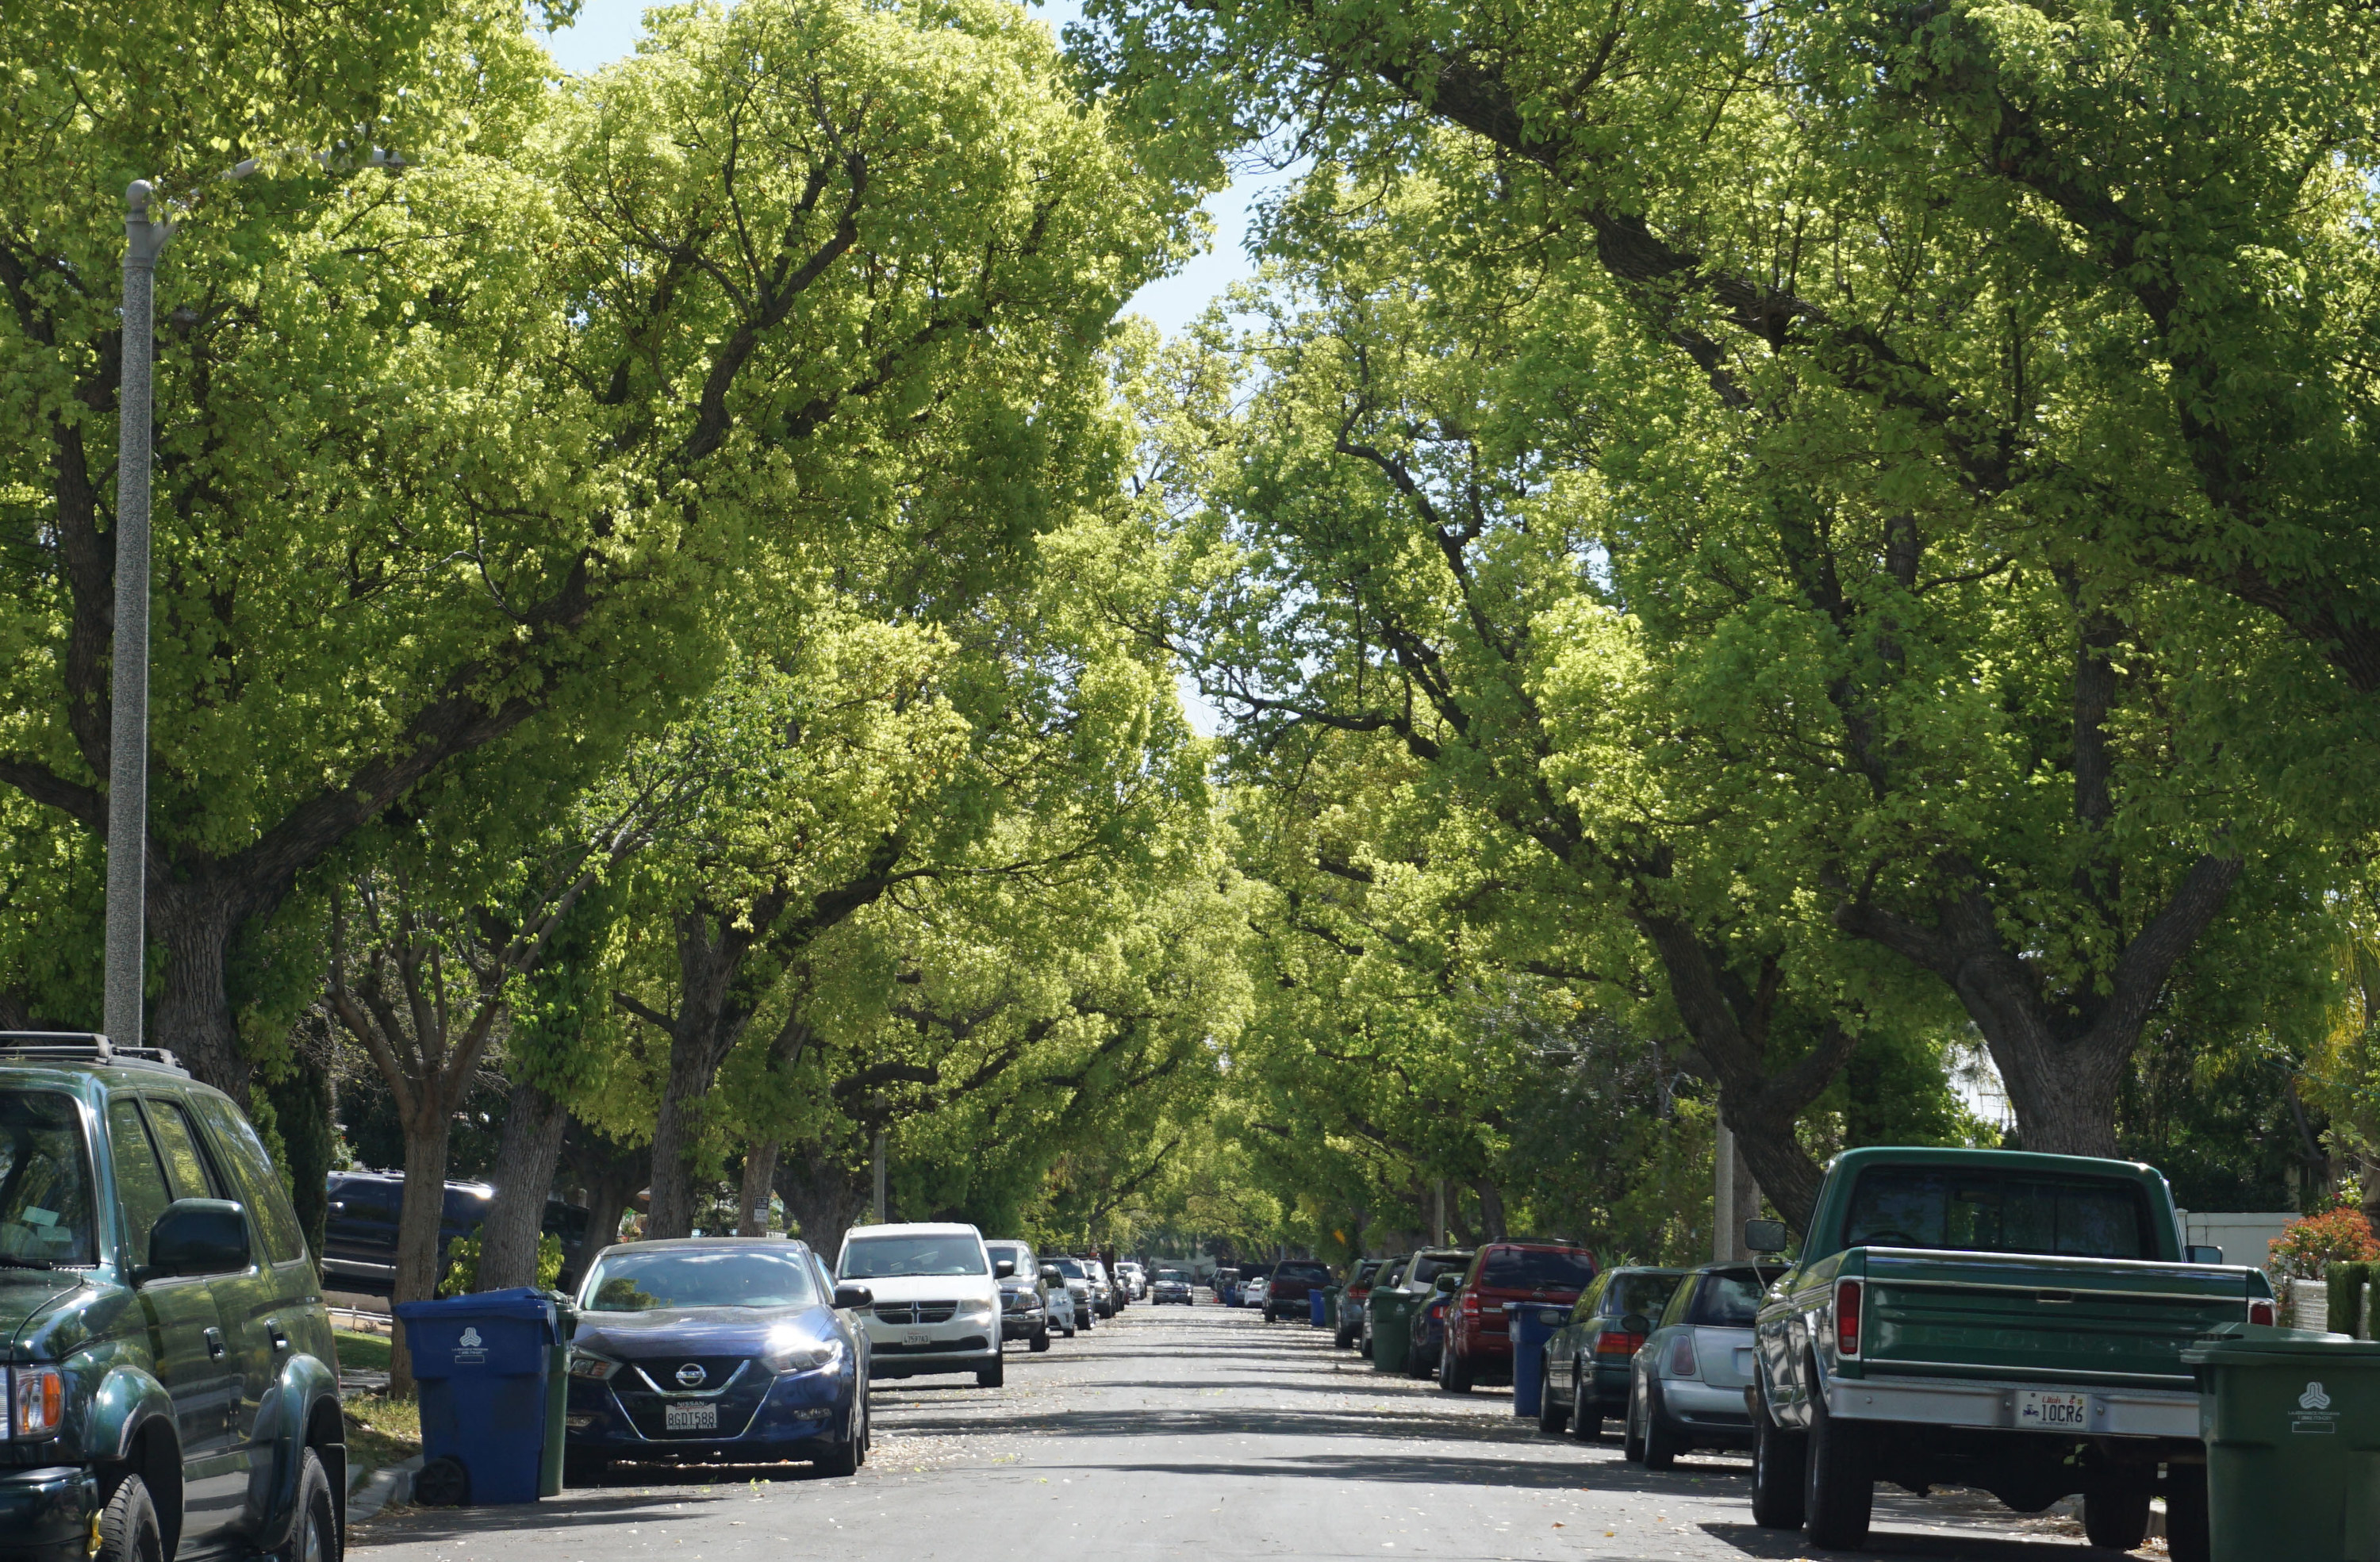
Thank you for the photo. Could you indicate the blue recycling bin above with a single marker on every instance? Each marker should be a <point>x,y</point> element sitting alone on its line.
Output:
<point>1531,1325</point>
<point>491,1367</point>
<point>1319,1300</point>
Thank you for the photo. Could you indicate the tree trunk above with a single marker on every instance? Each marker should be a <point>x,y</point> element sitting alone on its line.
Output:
<point>760,1172</point>
<point>196,922</point>
<point>424,1209</point>
<point>524,1178</point>
<point>824,1198</point>
<point>1491,1209</point>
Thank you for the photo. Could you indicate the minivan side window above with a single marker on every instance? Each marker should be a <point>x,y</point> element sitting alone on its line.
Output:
<point>186,1164</point>
<point>140,1181</point>
<point>268,1202</point>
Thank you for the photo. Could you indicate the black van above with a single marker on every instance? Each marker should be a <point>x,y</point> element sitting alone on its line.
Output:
<point>359,1238</point>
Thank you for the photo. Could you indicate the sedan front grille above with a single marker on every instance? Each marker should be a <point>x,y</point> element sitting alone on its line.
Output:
<point>687,1375</point>
<point>915,1312</point>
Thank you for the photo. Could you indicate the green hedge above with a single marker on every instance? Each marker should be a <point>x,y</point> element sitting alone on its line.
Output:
<point>2347,1283</point>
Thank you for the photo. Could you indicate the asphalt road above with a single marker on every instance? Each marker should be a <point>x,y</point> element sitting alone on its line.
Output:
<point>1199,1432</point>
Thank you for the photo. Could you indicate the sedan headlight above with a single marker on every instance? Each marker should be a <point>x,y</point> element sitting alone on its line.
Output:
<point>586,1363</point>
<point>801,1353</point>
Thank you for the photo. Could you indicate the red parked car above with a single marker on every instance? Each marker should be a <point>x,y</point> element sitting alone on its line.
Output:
<point>1479,1342</point>
<point>1293,1283</point>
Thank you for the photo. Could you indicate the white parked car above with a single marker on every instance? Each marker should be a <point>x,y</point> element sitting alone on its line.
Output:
<point>1135,1279</point>
<point>937,1307</point>
<point>1252,1293</point>
<point>1081,1304</point>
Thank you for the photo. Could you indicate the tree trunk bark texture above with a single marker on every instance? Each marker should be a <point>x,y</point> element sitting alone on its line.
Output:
<point>823,1195</point>
<point>711,1016</point>
<point>195,923</point>
<point>752,1206</point>
<point>526,1156</point>
<point>424,1210</point>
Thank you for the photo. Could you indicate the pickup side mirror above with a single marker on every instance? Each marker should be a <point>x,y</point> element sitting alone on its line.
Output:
<point>1765,1236</point>
<point>1002,1268</point>
<point>851,1296</point>
<point>2202,1255</point>
<point>198,1237</point>
<point>1449,1282</point>
<point>1636,1323</point>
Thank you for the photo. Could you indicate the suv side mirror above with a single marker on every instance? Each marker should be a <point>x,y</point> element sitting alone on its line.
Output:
<point>846,1296</point>
<point>1765,1236</point>
<point>2202,1255</point>
<point>198,1237</point>
<point>1636,1323</point>
<point>1049,1274</point>
<point>1002,1268</point>
<point>1449,1282</point>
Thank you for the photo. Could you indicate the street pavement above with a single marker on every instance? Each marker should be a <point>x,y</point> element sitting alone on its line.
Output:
<point>1174,1432</point>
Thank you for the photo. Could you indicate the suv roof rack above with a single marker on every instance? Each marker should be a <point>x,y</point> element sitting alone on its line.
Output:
<point>84,1046</point>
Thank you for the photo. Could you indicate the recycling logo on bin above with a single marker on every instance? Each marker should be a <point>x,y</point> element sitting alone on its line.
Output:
<point>470,1349</point>
<point>2313,1412</point>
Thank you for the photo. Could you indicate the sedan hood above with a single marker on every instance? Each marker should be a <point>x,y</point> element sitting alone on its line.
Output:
<point>698,1331</point>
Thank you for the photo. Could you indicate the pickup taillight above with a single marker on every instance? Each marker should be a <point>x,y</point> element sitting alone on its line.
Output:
<point>1471,1303</point>
<point>2260,1310</point>
<point>1611,1342</point>
<point>1847,1317</point>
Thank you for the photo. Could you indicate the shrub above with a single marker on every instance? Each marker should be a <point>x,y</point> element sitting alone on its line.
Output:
<point>2309,1247</point>
<point>463,1263</point>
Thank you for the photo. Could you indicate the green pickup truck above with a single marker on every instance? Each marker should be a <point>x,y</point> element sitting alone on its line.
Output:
<point>1993,1319</point>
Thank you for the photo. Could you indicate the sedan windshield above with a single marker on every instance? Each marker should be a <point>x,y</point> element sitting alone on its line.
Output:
<point>1963,1209</point>
<point>876,1258</point>
<point>44,1181</point>
<point>1067,1268</point>
<point>627,1280</point>
<point>1172,1277</point>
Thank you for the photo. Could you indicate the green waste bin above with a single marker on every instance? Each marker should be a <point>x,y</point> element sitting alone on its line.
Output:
<point>557,1398</point>
<point>2292,1421</point>
<point>1392,1312</point>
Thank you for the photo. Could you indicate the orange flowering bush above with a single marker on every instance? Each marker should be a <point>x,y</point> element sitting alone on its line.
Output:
<point>2310,1246</point>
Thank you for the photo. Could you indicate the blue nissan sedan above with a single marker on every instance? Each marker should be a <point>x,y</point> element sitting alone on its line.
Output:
<point>716,1349</point>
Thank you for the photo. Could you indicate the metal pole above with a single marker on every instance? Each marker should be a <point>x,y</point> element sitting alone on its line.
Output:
<point>879,1177</point>
<point>128,768</point>
<point>1724,1239</point>
<point>1441,1236</point>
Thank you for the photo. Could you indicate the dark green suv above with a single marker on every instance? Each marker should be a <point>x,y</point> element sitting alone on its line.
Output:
<point>170,1385</point>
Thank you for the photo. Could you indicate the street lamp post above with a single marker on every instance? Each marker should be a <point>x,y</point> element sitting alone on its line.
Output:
<point>128,760</point>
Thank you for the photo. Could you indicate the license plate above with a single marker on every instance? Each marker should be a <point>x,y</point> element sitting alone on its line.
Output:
<point>2037,1411</point>
<point>914,1338</point>
<point>691,1417</point>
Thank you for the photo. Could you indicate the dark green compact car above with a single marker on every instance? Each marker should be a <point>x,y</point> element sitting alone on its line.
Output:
<point>171,1383</point>
<point>1588,1360</point>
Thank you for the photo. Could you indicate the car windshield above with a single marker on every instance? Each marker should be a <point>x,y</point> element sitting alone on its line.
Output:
<point>1067,1268</point>
<point>1730,1299</point>
<point>1975,1210</point>
<point>1644,1293</point>
<point>1429,1267</point>
<point>627,1280</point>
<point>1537,1268</point>
<point>1303,1272</point>
<point>44,1181</point>
<point>1171,1275</point>
<point>874,1258</point>
<point>1009,1253</point>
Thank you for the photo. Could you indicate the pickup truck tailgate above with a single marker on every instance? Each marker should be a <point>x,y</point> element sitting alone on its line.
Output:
<point>2002,1315</point>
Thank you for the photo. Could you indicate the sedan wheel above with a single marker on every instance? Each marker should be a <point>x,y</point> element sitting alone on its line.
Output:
<point>1586,1416</point>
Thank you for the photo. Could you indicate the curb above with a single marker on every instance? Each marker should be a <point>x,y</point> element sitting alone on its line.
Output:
<point>367,1494</point>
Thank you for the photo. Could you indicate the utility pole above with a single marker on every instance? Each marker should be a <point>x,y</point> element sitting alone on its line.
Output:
<point>1736,1199</point>
<point>1440,1227</point>
<point>880,1178</point>
<point>128,760</point>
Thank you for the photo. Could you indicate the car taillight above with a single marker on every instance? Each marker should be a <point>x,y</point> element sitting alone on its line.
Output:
<point>2260,1311</point>
<point>1847,1317</point>
<point>1611,1342</point>
<point>1471,1303</point>
<point>1681,1357</point>
<point>39,1400</point>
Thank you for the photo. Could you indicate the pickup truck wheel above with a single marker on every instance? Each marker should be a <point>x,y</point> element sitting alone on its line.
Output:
<point>127,1525</point>
<point>1631,1443</point>
<point>1838,1490</point>
<point>1780,1462</point>
<point>2186,1536</point>
<point>2117,1519</point>
<point>1662,1443</point>
<point>314,1531</point>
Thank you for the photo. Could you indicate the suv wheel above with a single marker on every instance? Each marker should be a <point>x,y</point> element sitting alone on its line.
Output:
<point>1454,1370</point>
<point>314,1537</point>
<point>1039,1339</point>
<point>127,1526</point>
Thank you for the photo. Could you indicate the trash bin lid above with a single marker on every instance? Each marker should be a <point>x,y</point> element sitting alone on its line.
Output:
<point>2247,1344</point>
<point>526,1304</point>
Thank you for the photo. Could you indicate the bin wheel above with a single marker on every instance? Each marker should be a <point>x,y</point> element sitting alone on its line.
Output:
<point>1662,1443</point>
<point>1839,1487</point>
<point>129,1530</point>
<point>2188,1537</point>
<point>1551,1417</point>
<point>315,1536</point>
<point>1780,1470</point>
<point>2117,1519</point>
<point>1040,1340</point>
<point>443,1483</point>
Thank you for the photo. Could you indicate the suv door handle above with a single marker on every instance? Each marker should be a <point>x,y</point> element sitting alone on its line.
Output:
<point>214,1343</point>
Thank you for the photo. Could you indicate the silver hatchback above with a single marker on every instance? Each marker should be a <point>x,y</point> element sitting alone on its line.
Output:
<point>1686,1385</point>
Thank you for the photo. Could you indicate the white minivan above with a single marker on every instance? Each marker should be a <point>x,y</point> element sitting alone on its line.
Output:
<point>937,1307</point>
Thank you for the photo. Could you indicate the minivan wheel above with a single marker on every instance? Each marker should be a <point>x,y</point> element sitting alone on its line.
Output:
<point>129,1530</point>
<point>314,1536</point>
<point>993,1375</point>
